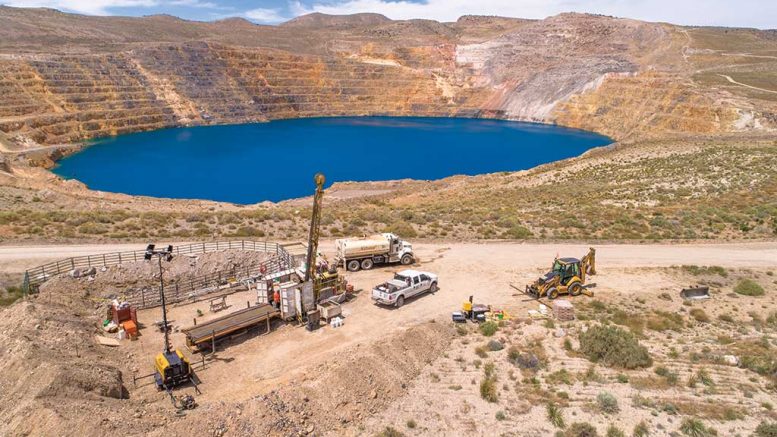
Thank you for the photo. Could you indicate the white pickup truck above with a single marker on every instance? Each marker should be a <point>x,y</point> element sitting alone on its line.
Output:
<point>404,285</point>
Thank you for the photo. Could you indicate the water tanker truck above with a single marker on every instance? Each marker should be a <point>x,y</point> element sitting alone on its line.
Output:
<point>363,253</point>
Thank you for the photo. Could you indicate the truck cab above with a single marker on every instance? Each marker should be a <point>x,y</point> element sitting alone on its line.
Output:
<point>401,250</point>
<point>404,285</point>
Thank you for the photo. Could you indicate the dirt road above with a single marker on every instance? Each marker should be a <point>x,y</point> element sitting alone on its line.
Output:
<point>728,78</point>
<point>15,259</point>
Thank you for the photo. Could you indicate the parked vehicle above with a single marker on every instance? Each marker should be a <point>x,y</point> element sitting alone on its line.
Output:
<point>404,285</point>
<point>363,253</point>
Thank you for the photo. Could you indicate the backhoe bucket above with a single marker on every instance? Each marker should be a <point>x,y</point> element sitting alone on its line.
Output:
<point>695,293</point>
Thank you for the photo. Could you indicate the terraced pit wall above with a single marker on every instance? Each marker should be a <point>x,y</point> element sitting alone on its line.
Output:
<point>62,99</point>
<point>622,78</point>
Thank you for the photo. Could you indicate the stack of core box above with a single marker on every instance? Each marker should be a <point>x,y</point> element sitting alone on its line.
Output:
<point>563,310</point>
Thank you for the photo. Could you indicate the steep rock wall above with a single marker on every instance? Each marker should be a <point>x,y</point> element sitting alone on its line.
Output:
<point>620,77</point>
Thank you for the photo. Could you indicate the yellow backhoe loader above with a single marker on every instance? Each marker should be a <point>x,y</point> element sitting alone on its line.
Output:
<point>567,276</point>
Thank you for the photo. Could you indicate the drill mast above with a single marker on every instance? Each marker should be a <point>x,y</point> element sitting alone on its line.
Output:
<point>315,228</point>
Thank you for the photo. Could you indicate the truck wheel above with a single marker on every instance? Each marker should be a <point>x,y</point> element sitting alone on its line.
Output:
<point>353,266</point>
<point>552,293</point>
<point>400,301</point>
<point>575,289</point>
<point>433,288</point>
<point>367,264</point>
<point>406,260</point>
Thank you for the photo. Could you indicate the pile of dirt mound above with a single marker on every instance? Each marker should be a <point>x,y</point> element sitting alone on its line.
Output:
<point>54,378</point>
<point>117,279</point>
<point>91,381</point>
<point>332,397</point>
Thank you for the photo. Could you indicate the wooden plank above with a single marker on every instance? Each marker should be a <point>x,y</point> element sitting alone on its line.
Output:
<point>106,341</point>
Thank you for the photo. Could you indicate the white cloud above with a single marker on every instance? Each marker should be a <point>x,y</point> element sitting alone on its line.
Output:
<point>754,13</point>
<point>197,4</point>
<point>102,7</point>
<point>92,7</point>
<point>266,15</point>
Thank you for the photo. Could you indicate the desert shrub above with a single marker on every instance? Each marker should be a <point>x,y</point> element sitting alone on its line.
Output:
<point>607,403</point>
<point>700,315</point>
<point>711,270</point>
<point>500,415</point>
<point>481,352</point>
<point>249,231</point>
<point>704,377</point>
<point>488,389</point>
<point>92,229</point>
<point>555,416</point>
<point>591,375</point>
<point>771,319</point>
<point>614,347</point>
<point>766,429</point>
<point>581,429</point>
<point>411,424</point>
<point>622,378</point>
<point>693,427</point>
<point>559,377</point>
<point>403,229</point>
<point>614,431</point>
<point>525,360</point>
<point>495,345</point>
<point>669,408</point>
<point>748,287</point>
<point>757,356</point>
<point>663,321</point>
<point>518,232</point>
<point>670,377</point>
<point>462,330</point>
<point>389,432</point>
<point>489,369</point>
<point>489,328</point>
<point>641,430</point>
<point>11,295</point>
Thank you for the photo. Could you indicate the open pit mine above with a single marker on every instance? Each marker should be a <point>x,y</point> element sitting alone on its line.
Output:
<point>623,287</point>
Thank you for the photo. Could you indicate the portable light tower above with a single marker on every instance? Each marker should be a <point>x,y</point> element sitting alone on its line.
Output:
<point>172,367</point>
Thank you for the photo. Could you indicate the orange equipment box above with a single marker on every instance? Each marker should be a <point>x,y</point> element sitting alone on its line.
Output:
<point>130,327</point>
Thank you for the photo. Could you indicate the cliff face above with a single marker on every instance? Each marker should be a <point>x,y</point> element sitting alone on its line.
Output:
<point>83,77</point>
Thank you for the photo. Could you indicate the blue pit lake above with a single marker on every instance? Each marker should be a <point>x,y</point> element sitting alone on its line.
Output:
<point>274,161</point>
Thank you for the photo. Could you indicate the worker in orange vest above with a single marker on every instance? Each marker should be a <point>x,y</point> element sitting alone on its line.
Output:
<point>276,298</point>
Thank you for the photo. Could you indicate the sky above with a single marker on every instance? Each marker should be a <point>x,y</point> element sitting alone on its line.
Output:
<point>735,13</point>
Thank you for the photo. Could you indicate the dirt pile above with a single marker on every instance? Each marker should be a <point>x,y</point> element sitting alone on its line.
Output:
<point>55,379</point>
<point>352,386</point>
<point>119,279</point>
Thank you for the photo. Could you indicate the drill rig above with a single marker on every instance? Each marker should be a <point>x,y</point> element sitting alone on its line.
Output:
<point>566,276</point>
<point>325,279</point>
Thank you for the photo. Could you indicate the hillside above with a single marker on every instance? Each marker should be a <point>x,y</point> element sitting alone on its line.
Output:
<point>694,111</point>
<point>82,77</point>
